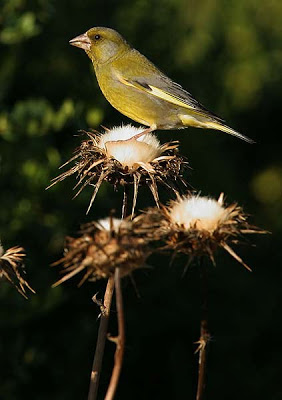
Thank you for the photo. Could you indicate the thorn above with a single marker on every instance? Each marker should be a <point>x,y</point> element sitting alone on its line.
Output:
<point>99,304</point>
<point>221,199</point>
<point>114,339</point>
<point>105,128</point>
<point>202,342</point>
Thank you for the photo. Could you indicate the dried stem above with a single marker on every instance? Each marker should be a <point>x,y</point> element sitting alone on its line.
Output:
<point>204,337</point>
<point>119,340</point>
<point>124,202</point>
<point>113,282</point>
<point>101,340</point>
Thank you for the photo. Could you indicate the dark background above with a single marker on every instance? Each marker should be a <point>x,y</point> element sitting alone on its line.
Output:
<point>228,55</point>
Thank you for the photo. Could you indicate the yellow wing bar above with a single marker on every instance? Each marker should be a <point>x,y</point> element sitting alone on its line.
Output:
<point>161,94</point>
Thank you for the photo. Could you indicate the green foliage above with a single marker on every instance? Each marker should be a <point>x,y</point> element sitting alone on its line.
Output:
<point>228,54</point>
<point>21,21</point>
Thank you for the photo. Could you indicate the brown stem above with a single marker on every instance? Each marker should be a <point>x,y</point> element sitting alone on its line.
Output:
<point>102,335</point>
<point>204,337</point>
<point>113,282</point>
<point>124,202</point>
<point>119,340</point>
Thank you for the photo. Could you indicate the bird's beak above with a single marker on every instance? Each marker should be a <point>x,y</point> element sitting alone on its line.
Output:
<point>81,41</point>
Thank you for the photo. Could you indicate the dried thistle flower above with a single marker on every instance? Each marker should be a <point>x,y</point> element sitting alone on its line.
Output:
<point>120,159</point>
<point>101,247</point>
<point>11,264</point>
<point>197,226</point>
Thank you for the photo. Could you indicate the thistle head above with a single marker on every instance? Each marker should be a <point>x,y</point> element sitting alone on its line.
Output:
<point>119,143</point>
<point>100,248</point>
<point>12,268</point>
<point>200,213</point>
<point>120,157</point>
<point>197,226</point>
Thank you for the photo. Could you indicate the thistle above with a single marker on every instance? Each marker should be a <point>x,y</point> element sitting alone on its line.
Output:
<point>197,226</point>
<point>117,157</point>
<point>12,267</point>
<point>102,247</point>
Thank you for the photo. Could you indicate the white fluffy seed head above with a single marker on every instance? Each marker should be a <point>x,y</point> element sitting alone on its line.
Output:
<point>129,152</point>
<point>2,251</point>
<point>202,213</point>
<point>108,223</point>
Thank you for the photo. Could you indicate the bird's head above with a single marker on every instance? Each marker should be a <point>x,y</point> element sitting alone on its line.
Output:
<point>101,44</point>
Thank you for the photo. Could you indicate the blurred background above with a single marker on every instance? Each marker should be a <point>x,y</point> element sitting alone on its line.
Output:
<point>229,56</point>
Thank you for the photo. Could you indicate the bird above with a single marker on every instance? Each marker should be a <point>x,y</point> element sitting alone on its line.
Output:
<point>138,89</point>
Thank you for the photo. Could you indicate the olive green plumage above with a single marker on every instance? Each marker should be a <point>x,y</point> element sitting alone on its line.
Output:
<point>139,90</point>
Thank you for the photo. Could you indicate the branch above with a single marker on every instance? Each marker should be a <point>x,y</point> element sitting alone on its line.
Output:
<point>202,349</point>
<point>204,337</point>
<point>119,340</point>
<point>102,335</point>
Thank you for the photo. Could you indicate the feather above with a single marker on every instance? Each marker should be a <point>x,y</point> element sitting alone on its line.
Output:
<point>167,90</point>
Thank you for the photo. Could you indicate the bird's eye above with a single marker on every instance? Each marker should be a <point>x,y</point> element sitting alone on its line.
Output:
<point>97,37</point>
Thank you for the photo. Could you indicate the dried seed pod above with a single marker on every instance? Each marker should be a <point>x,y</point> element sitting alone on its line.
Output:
<point>11,268</point>
<point>117,157</point>
<point>101,247</point>
<point>197,226</point>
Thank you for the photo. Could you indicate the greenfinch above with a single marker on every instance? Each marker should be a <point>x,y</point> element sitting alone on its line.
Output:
<point>138,89</point>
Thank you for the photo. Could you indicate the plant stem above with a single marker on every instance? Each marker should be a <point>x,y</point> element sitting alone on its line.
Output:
<point>113,282</point>
<point>204,337</point>
<point>124,202</point>
<point>102,335</point>
<point>119,340</point>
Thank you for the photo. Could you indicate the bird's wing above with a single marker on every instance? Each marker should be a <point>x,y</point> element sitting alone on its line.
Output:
<point>164,88</point>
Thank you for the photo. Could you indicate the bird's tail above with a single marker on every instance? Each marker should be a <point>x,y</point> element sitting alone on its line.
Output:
<point>224,128</point>
<point>201,121</point>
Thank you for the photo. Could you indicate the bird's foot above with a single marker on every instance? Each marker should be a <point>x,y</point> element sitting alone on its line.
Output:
<point>148,130</point>
<point>135,137</point>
